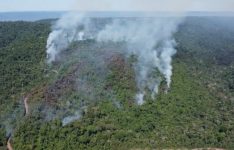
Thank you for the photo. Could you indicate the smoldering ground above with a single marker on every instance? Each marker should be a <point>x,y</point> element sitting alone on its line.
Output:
<point>81,79</point>
<point>79,50</point>
<point>149,40</point>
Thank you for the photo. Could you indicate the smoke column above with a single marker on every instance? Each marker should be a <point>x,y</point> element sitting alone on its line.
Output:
<point>63,33</point>
<point>70,119</point>
<point>150,39</point>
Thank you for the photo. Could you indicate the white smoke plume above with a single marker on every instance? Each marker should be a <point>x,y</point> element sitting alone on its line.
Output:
<point>140,98</point>
<point>70,119</point>
<point>64,32</point>
<point>149,39</point>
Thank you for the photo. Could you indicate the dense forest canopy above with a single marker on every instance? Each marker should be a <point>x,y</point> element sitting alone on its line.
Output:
<point>197,111</point>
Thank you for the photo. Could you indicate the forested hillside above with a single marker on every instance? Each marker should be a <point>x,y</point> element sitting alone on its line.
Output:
<point>97,90</point>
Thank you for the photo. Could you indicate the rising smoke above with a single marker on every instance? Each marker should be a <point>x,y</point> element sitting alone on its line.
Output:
<point>150,39</point>
<point>65,31</point>
<point>69,119</point>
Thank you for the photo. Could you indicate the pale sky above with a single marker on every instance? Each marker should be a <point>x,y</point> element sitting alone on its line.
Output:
<point>116,5</point>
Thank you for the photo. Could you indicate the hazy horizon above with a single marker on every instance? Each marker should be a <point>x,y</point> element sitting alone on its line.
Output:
<point>40,15</point>
<point>120,5</point>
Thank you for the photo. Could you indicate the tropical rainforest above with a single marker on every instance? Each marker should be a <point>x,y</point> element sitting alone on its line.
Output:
<point>97,92</point>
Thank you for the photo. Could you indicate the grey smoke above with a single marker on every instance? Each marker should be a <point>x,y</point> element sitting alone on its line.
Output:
<point>10,121</point>
<point>150,39</point>
<point>70,119</point>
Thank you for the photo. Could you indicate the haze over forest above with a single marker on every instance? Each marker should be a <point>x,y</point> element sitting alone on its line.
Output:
<point>127,74</point>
